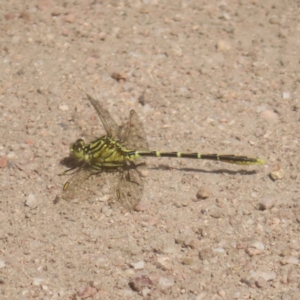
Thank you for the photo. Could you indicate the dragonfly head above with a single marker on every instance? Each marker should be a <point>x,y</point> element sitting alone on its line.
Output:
<point>77,150</point>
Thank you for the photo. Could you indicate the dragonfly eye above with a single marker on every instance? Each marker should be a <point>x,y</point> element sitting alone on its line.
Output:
<point>77,149</point>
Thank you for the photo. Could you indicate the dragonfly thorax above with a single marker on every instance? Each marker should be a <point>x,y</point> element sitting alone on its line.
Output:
<point>103,152</point>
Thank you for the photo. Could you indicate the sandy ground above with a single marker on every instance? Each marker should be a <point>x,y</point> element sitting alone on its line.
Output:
<point>204,76</point>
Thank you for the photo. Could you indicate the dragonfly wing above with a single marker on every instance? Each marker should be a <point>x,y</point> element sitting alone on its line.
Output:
<point>130,188</point>
<point>110,126</point>
<point>86,185</point>
<point>74,187</point>
<point>133,134</point>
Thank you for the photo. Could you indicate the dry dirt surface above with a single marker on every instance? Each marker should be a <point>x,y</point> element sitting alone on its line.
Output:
<point>204,76</point>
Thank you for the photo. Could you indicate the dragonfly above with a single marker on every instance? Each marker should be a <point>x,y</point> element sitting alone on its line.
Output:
<point>118,151</point>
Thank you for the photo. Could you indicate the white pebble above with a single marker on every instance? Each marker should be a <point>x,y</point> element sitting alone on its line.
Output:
<point>11,154</point>
<point>163,261</point>
<point>37,281</point>
<point>31,201</point>
<point>129,272</point>
<point>165,283</point>
<point>147,109</point>
<point>257,245</point>
<point>277,173</point>
<point>286,95</point>
<point>218,250</point>
<point>2,263</point>
<point>63,107</point>
<point>271,275</point>
<point>146,291</point>
<point>138,265</point>
<point>290,260</point>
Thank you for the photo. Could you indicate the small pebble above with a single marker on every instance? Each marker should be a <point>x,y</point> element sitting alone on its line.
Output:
<point>271,275</point>
<point>102,35</point>
<point>223,46</point>
<point>63,107</point>
<point>147,108</point>
<point>144,173</point>
<point>3,162</point>
<point>141,207</point>
<point>138,265</point>
<point>185,202</point>
<point>183,91</point>
<point>192,243</point>
<point>165,283</point>
<point>277,173</point>
<point>57,11</point>
<point>119,76</point>
<point>266,203</point>
<point>188,261</point>
<point>140,282</point>
<point>249,282</point>
<point>203,194</point>
<point>11,154</point>
<point>203,231</point>
<point>261,282</point>
<point>2,263</point>
<point>151,221</point>
<point>286,252</point>
<point>241,245</point>
<point>219,250</point>
<point>31,201</point>
<point>216,212</point>
<point>290,260</point>
<point>103,198</point>
<point>269,115</point>
<point>253,251</point>
<point>164,261</point>
<point>37,281</point>
<point>129,272</point>
<point>286,95</point>
<point>257,245</point>
<point>146,292</point>
<point>70,18</point>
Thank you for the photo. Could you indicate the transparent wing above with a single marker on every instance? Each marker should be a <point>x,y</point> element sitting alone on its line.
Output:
<point>133,134</point>
<point>110,126</point>
<point>130,188</point>
<point>85,185</point>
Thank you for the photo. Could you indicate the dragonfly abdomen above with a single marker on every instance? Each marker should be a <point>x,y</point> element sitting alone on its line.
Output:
<point>228,158</point>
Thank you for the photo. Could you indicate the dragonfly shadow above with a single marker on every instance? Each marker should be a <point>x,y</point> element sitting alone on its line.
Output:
<point>70,162</point>
<point>197,170</point>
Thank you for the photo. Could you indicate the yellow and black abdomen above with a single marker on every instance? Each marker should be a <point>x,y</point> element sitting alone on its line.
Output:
<point>227,158</point>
